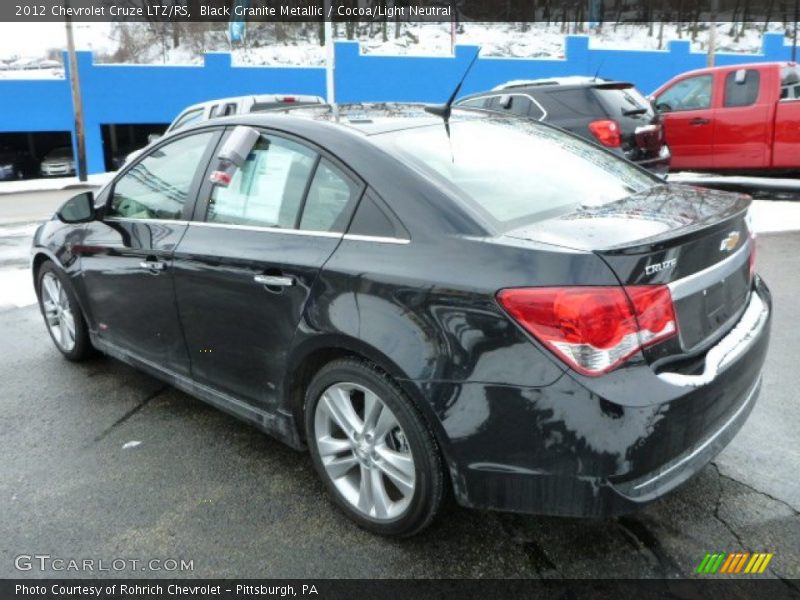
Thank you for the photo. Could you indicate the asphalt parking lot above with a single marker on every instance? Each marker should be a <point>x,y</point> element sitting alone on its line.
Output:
<point>100,461</point>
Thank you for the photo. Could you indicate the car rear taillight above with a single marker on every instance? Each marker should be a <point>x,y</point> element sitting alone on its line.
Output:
<point>288,99</point>
<point>593,329</point>
<point>607,132</point>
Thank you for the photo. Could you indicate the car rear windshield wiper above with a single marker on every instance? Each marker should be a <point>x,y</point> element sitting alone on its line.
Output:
<point>630,112</point>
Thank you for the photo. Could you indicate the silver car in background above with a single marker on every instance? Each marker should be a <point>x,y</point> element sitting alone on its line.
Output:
<point>59,162</point>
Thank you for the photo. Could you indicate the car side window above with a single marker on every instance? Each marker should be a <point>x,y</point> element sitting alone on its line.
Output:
<point>193,116</point>
<point>693,93</point>
<point>267,191</point>
<point>330,196</point>
<point>158,185</point>
<point>741,92</point>
<point>535,111</point>
<point>473,102</point>
<point>516,104</point>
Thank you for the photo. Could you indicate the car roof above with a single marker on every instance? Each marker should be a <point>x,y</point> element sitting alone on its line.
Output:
<point>364,118</point>
<point>571,81</point>
<point>257,98</point>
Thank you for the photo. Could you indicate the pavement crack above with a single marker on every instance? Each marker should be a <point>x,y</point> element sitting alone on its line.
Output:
<point>643,538</point>
<point>795,512</point>
<point>718,506</point>
<point>130,413</point>
<point>788,582</point>
<point>536,555</point>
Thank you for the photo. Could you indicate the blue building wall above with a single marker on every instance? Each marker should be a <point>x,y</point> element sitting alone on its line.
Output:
<point>153,93</point>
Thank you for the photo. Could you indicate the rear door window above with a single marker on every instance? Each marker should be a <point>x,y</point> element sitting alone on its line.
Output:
<point>741,87</point>
<point>268,190</point>
<point>330,197</point>
<point>790,82</point>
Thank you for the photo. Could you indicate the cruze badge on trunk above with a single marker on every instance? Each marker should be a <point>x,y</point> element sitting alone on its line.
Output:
<point>662,266</point>
<point>730,241</point>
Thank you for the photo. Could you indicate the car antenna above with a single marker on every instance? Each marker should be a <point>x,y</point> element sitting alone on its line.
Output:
<point>600,66</point>
<point>444,110</point>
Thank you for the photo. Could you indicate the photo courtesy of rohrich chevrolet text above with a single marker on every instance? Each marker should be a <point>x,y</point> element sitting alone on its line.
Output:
<point>399,298</point>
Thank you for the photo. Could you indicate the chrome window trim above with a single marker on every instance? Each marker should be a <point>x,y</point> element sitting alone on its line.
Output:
<point>356,237</point>
<point>353,237</point>
<point>697,282</point>
<point>263,228</point>
<point>145,220</point>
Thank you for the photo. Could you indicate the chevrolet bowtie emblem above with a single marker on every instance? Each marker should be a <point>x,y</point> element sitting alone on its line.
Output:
<point>730,241</point>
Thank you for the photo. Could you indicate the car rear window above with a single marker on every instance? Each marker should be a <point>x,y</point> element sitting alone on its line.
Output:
<point>624,101</point>
<point>515,172</point>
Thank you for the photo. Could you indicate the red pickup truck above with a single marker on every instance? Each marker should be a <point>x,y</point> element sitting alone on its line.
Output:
<point>743,117</point>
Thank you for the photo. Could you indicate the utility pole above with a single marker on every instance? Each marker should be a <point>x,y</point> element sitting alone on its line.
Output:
<point>794,38</point>
<point>712,34</point>
<point>77,103</point>
<point>330,61</point>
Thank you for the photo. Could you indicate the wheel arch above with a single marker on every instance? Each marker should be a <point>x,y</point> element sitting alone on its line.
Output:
<point>314,353</point>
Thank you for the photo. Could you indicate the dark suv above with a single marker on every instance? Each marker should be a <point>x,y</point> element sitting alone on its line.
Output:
<point>612,113</point>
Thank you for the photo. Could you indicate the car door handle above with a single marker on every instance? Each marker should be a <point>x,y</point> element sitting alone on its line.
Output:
<point>274,280</point>
<point>153,265</point>
<point>699,121</point>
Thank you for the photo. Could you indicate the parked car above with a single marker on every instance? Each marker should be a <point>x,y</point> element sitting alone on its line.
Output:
<point>611,113</point>
<point>59,162</point>
<point>497,306</point>
<point>743,117</point>
<point>16,164</point>
<point>226,107</point>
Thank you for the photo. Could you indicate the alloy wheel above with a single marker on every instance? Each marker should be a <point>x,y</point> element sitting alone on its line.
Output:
<point>364,451</point>
<point>57,312</point>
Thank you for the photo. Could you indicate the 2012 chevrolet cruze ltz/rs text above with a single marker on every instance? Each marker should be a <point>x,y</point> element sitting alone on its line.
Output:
<point>478,306</point>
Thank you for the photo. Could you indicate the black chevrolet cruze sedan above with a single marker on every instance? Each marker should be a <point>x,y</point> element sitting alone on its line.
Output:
<point>483,306</point>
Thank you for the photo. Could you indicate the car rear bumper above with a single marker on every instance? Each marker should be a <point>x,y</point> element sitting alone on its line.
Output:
<point>565,450</point>
<point>658,165</point>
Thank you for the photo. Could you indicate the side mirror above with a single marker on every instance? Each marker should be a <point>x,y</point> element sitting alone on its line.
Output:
<point>153,137</point>
<point>741,76</point>
<point>78,209</point>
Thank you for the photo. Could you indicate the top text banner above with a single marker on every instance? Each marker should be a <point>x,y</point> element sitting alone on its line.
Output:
<point>566,11</point>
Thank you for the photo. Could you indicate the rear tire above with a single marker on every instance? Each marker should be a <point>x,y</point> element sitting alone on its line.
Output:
<point>372,449</point>
<point>62,314</point>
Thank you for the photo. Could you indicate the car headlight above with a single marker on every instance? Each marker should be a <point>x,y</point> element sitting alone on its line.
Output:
<point>6,170</point>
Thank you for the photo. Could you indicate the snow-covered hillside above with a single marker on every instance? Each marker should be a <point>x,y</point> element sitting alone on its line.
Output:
<point>29,43</point>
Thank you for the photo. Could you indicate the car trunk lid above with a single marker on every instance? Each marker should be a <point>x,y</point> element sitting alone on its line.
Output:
<point>694,240</point>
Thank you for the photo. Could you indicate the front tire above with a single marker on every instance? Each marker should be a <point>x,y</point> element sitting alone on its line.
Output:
<point>62,315</point>
<point>372,449</point>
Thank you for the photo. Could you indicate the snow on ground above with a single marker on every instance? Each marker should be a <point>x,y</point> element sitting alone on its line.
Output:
<point>771,216</point>
<point>53,183</point>
<point>16,289</point>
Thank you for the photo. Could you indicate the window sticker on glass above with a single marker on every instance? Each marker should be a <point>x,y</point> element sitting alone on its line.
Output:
<point>267,189</point>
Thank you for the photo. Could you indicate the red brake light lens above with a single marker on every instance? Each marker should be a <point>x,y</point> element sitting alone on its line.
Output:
<point>593,329</point>
<point>607,132</point>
